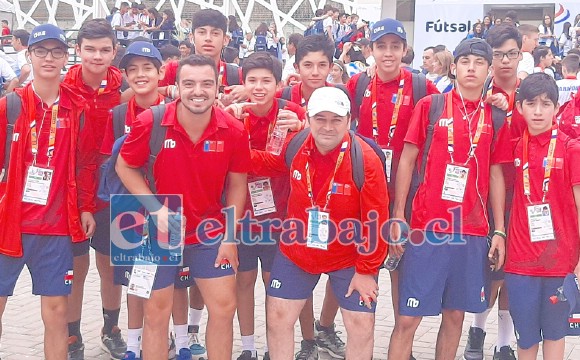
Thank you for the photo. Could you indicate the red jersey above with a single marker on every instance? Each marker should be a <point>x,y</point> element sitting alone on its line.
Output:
<point>556,257</point>
<point>61,215</point>
<point>342,205</point>
<point>259,129</point>
<point>5,31</point>
<point>386,94</point>
<point>428,204</point>
<point>132,111</point>
<point>99,102</point>
<point>296,94</point>
<point>204,165</point>
<point>570,118</point>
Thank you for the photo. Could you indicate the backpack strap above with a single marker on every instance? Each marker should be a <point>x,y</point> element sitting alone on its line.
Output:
<point>287,93</point>
<point>281,103</point>
<point>156,141</point>
<point>13,109</point>
<point>498,119</point>
<point>232,75</point>
<point>437,105</point>
<point>357,159</point>
<point>419,87</point>
<point>343,88</point>
<point>294,145</point>
<point>119,116</point>
<point>361,87</point>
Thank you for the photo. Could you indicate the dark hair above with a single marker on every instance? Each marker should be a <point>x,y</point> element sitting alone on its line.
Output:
<point>574,51</point>
<point>22,35</point>
<point>409,56</point>
<point>295,39</point>
<point>124,4</point>
<point>345,76</point>
<point>262,29</point>
<point>96,29</point>
<point>155,13</point>
<point>342,14</point>
<point>169,51</point>
<point>141,7</point>
<point>512,15</point>
<point>566,30</point>
<point>186,43</point>
<point>315,43</point>
<point>197,60</point>
<point>327,8</point>
<point>439,48</point>
<point>538,84</point>
<point>499,34</point>
<point>551,23</point>
<point>318,12</point>
<point>229,54</point>
<point>429,48</point>
<point>476,34</point>
<point>571,63</point>
<point>232,24</point>
<point>356,54</point>
<point>540,52</point>
<point>5,22</point>
<point>263,60</point>
<point>209,17</point>
<point>170,14</point>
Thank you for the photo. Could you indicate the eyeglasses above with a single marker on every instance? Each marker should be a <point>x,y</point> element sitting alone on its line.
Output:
<point>56,53</point>
<point>512,55</point>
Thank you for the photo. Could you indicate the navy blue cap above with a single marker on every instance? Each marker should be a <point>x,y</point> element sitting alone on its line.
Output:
<point>46,32</point>
<point>140,48</point>
<point>475,46</point>
<point>388,26</point>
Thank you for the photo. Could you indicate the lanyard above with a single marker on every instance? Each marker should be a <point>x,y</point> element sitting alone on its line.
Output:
<point>473,141</point>
<point>329,193</point>
<point>548,168</point>
<point>394,118</point>
<point>511,101</point>
<point>33,131</point>
<point>102,87</point>
<point>221,75</point>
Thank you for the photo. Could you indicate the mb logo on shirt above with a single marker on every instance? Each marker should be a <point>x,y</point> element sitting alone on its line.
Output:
<point>169,144</point>
<point>296,175</point>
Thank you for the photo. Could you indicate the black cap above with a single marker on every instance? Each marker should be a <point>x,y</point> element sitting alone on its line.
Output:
<point>477,47</point>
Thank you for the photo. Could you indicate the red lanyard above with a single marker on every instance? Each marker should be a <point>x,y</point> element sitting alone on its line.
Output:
<point>473,141</point>
<point>329,193</point>
<point>395,116</point>
<point>33,131</point>
<point>102,87</point>
<point>548,168</point>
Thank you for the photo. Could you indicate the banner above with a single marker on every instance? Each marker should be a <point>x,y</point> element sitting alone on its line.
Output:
<point>565,12</point>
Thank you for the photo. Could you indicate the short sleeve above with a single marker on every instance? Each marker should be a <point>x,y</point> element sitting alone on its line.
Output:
<point>417,132</point>
<point>135,149</point>
<point>572,161</point>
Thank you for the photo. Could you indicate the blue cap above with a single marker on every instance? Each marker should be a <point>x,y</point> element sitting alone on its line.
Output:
<point>46,32</point>
<point>475,46</point>
<point>140,48</point>
<point>388,26</point>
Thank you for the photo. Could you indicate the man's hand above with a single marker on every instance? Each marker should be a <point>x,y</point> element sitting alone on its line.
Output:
<point>289,120</point>
<point>396,247</point>
<point>499,101</point>
<point>239,111</point>
<point>237,92</point>
<point>88,223</point>
<point>371,70</point>
<point>293,79</point>
<point>229,252</point>
<point>367,287</point>
<point>497,245</point>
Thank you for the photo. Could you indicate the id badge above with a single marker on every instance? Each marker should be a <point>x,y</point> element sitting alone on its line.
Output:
<point>142,279</point>
<point>388,162</point>
<point>455,183</point>
<point>540,222</point>
<point>317,229</point>
<point>262,197</point>
<point>37,186</point>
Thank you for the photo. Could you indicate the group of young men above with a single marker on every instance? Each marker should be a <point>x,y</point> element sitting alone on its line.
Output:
<point>385,165</point>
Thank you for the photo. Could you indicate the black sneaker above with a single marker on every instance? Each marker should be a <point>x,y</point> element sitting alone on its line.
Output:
<point>504,353</point>
<point>76,349</point>
<point>474,347</point>
<point>308,351</point>
<point>247,355</point>
<point>114,344</point>
<point>266,355</point>
<point>329,341</point>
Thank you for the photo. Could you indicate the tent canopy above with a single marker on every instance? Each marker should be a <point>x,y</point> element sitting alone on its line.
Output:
<point>6,6</point>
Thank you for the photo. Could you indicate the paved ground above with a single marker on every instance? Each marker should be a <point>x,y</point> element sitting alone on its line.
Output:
<point>23,331</point>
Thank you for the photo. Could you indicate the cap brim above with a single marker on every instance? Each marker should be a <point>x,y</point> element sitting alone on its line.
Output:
<point>339,112</point>
<point>127,58</point>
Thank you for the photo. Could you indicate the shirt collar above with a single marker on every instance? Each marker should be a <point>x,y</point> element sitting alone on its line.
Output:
<point>544,138</point>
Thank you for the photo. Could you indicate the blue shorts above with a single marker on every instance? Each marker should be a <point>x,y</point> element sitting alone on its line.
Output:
<point>447,276</point>
<point>200,259</point>
<point>288,281</point>
<point>49,260</point>
<point>165,276</point>
<point>535,317</point>
<point>183,278</point>
<point>101,239</point>
<point>249,254</point>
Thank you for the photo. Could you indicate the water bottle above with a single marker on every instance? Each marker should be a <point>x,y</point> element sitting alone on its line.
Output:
<point>392,261</point>
<point>175,239</point>
<point>277,140</point>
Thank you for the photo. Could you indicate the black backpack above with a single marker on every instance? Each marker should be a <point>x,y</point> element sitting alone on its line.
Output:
<point>109,181</point>
<point>356,154</point>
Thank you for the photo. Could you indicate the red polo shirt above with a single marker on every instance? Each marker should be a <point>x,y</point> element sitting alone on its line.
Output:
<point>386,94</point>
<point>570,118</point>
<point>187,168</point>
<point>296,94</point>
<point>427,204</point>
<point>258,128</point>
<point>346,205</point>
<point>546,258</point>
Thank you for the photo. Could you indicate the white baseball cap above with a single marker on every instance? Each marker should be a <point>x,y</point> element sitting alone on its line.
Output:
<point>328,98</point>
